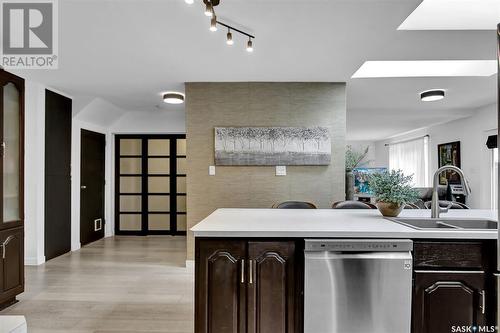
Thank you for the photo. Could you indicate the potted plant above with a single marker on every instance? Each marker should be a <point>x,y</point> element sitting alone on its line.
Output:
<point>352,159</point>
<point>392,190</point>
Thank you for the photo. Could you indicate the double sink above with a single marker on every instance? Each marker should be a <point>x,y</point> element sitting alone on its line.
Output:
<point>446,223</point>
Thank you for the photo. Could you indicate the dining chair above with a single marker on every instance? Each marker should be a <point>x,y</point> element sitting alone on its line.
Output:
<point>352,204</point>
<point>295,205</point>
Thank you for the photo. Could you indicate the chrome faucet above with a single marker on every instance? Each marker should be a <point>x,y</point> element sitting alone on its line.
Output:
<point>435,208</point>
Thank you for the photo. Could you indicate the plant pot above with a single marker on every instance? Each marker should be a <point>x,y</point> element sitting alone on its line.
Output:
<point>389,209</point>
<point>349,185</point>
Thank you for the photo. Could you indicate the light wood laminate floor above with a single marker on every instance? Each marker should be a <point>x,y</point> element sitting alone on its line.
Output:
<point>119,284</point>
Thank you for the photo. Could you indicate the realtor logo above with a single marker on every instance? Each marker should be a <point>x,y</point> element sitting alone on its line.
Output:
<point>29,34</point>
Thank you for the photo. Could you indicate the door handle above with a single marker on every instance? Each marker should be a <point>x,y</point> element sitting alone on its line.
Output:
<point>251,272</point>
<point>242,270</point>
<point>4,245</point>
<point>483,302</point>
<point>83,187</point>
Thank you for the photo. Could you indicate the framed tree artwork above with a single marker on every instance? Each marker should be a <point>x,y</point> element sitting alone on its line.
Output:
<point>449,154</point>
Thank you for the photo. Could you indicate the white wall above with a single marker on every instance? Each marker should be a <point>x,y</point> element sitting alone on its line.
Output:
<point>472,133</point>
<point>158,121</point>
<point>34,173</point>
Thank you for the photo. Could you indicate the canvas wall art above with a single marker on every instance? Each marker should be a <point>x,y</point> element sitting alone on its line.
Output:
<point>272,146</point>
<point>449,154</point>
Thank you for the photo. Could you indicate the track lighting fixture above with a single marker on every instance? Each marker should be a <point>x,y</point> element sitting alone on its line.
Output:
<point>213,23</point>
<point>249,45</point>
<point>209,10</point>
<point>229,40</point>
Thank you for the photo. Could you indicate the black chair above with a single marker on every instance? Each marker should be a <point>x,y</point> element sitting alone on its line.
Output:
<point>411,206</point>
<point>444,204</point>
<point>295,205</point>
<point>353,205</point>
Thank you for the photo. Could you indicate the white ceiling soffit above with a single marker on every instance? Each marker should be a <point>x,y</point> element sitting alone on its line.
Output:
<point>454,15</point>
<point>426,68</point>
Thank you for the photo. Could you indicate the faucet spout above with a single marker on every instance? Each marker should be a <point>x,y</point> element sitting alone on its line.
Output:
<point>436,210</point>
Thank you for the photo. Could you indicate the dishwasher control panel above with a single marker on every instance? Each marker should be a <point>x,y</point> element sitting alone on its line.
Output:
<point>359,245</point>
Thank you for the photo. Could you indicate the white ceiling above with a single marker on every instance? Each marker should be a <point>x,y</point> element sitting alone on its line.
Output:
<point>128,51</point>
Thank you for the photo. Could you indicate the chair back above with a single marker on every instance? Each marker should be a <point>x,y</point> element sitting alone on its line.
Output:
<point>295,205</point>
<point>444,204</point>
<point>351,204</point>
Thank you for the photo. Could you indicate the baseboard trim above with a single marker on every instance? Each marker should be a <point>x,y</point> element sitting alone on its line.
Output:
<point>34,261</point>
<point>190,264</point>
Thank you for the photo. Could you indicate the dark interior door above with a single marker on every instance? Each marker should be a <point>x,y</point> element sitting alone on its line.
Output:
<point>57,174</point>
<point>92,184</point>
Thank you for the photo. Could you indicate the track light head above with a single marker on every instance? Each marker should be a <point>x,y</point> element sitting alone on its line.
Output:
<point>229,40</point>
<point>213,23</point>
<point>209,10</point>
<point>249,45</point>
<point>189,2</point>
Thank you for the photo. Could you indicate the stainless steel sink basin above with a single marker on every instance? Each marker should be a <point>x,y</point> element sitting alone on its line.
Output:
<point>446,223</point>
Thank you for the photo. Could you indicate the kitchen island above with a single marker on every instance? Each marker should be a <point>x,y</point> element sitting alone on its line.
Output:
<point>250,267</point>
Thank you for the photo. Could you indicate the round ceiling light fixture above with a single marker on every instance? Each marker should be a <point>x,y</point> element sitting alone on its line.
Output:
<point>173,97</point>
<point>432,95</point>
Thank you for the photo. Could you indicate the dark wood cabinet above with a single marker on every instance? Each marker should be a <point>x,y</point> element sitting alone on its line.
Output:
<point>245,286</point>
<point>449,298</point>
<point>271,287</point>
<point>11,264</point>
<point>453,285</point>
<point>11,187</point>
<point>220,286</point>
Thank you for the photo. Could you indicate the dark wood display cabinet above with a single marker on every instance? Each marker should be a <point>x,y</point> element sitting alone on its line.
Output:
<point>247,286</point>
<point>12,187</point>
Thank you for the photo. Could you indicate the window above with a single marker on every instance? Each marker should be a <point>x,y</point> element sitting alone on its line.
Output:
<point>411,157</point>
<point>494,178</point>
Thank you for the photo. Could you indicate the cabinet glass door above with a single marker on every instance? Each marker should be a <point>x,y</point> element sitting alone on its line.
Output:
<point>11,144</point>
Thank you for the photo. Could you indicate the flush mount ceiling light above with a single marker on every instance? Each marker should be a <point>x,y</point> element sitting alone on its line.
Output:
<point>426,68</point>
<point>432,95</point>
<point>210,12</point>
<point>173,97</point>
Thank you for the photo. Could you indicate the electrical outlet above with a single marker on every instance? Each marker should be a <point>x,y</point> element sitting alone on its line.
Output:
<point>211,170</point>
<point>280,170</point>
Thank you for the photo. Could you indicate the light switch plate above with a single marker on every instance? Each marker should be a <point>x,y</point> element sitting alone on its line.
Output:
<point>211,170</point>
<point>280,170</point>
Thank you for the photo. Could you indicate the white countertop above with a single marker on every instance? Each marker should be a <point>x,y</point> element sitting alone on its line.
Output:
<point>13,324</point>
<point>331,223</point>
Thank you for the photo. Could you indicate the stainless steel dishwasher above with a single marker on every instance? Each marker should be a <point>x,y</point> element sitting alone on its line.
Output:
<point>358,286</point>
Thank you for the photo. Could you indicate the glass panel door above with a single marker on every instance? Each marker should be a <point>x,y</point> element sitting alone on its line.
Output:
<point>148,186</point>
<point>11,149</point>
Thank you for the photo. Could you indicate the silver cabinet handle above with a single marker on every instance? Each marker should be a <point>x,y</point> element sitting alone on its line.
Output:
<point>251,272</point>
<point>83,187</point>
<point>242,270</point>
<point>4,245</point>
<point>483,301</point>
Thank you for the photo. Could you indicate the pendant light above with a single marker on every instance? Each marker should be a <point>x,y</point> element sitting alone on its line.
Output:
<point>229,40</point>
<point>209,10</point>
<point>249,45</point>
<point>213,23</point>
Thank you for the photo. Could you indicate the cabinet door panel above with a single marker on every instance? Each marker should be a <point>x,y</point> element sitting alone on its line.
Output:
<point>445,299</point>
<point>271,287</point>
<point>220,289</point>
<point>12,151</point>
